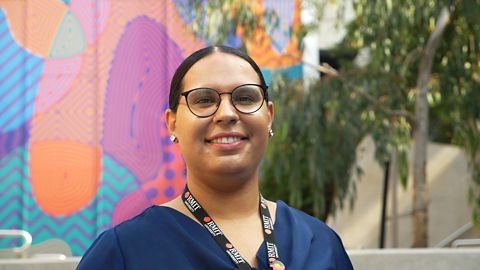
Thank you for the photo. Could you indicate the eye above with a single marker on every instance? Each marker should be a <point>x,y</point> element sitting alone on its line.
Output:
<point>203,98</point>
<point>246,95</point>
<point>244,99</point>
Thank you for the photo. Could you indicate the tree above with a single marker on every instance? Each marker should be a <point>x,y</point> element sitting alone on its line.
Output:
<point>310,161</point>
<point>400,38</point>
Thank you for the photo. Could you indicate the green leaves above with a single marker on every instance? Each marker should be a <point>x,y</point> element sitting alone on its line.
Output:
<point>396,33</point>
<point>311,159</point>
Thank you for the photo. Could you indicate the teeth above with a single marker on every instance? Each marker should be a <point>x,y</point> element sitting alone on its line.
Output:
<point>226,140</point>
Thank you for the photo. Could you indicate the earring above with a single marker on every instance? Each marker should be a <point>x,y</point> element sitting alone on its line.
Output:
<point>270,132</point>
<point>173,138</point>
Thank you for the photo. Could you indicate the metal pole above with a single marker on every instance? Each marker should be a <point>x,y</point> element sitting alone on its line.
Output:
<point>393,200</point>
<point>384,204</point>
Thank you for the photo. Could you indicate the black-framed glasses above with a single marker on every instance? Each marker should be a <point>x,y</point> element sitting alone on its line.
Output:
<point>246,98</point>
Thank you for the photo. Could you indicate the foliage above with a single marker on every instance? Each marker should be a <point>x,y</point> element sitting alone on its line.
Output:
<point>395,34</point>
<point>310,161</point>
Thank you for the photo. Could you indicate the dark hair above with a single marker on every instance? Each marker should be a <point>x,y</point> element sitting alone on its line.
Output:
<point>177,78</point>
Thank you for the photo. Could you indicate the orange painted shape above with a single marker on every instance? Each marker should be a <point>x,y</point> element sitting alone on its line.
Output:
<point>64,175</point>
<point>34,23</point>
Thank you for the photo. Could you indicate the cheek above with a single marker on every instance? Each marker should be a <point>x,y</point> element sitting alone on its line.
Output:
<point>190,129</point>
<point>261,123</point>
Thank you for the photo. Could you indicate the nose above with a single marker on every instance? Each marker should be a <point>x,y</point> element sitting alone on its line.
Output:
<point>225,113</point>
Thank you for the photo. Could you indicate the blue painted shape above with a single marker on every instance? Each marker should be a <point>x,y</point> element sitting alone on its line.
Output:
<point>20,74</point>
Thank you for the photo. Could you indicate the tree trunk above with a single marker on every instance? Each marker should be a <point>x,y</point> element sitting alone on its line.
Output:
<point>420,189</point>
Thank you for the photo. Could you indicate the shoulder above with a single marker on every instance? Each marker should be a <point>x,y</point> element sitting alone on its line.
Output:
<point>310,227</point>
<point>118,247</point>
<point>146,216</point>
<point>300,218</point>
<point>150,221</point>
<point>322,246</point>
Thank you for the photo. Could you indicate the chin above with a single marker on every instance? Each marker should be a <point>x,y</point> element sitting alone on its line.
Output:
<point>233,169</point>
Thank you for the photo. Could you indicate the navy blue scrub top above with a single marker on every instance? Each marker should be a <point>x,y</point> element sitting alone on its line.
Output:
<point>163,238</point>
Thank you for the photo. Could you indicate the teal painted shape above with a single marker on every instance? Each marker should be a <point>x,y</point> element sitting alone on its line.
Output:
<point>11,172</point>
<point>67,1</point>
<point>70,39</point>
<point>78,230</point>
<point>292,72</point>
<point>116,182</point>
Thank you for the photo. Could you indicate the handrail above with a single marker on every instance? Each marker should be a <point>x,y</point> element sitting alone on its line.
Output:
<point>27,237</point>
<point>453,236</point>
<point>466,243</point>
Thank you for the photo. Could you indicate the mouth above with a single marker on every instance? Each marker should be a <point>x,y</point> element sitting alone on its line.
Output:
<point>226,139</point>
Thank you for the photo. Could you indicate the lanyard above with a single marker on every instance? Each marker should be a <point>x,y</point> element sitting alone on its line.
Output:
<point>202,216</point>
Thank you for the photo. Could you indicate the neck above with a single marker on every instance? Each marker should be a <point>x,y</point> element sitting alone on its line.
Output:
<point>237,199</point>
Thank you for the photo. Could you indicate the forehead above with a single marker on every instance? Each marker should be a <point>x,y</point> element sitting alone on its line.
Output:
<point>220,70</point>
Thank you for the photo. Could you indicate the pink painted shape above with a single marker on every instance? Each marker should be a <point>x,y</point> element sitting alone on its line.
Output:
<point>93,16</point>
<point>137,96</point>
<point>57,77</point>
<point>130,206</point>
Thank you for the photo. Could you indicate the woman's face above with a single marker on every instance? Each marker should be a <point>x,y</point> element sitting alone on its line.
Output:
<point>228,142</point>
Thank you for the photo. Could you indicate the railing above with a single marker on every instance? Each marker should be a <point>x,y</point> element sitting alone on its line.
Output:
<point>454,236</point>
<point>16,252</point>
<point>466,243</point>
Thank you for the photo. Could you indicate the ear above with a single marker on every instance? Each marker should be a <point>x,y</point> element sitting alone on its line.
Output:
<point>170,120</point>
<point>271,113</point>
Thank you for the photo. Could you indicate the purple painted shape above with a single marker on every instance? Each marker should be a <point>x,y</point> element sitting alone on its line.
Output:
<point>169,174</point>
<point>281,34</point>
<point>12,139</point>
<point>151,193</point>
<point>145,57</point>
<point>169,192</point>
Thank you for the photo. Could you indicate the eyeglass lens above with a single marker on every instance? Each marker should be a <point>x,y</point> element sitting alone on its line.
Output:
<point>205,101</point>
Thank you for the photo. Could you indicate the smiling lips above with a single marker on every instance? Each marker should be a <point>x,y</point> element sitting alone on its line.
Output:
<point>226,139</point>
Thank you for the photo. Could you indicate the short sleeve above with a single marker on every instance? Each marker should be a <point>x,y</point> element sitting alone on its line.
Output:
<point>104,253</point>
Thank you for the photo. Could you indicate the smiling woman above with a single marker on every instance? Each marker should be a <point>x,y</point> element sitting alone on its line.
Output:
<point>221,117</point>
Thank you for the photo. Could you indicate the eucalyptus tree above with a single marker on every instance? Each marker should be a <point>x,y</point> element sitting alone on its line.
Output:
<point>423,56</point>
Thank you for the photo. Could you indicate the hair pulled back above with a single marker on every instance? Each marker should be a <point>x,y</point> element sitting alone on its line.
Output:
<point>177,79</point>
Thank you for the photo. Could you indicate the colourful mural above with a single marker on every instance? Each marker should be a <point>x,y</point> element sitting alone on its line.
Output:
<point>83,89</point>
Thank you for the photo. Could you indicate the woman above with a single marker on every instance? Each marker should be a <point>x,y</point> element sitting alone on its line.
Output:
<point>221,118</point>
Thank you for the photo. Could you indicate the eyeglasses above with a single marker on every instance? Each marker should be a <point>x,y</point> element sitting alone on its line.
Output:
<point>246,98</point>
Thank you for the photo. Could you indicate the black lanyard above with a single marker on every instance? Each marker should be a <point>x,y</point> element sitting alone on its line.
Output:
<point>202,216</point>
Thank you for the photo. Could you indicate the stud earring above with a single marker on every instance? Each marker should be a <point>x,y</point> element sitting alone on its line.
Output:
<point>173,138</point>
<point>270,132</point>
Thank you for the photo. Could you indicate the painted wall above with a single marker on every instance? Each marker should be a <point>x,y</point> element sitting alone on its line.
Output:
<point>83,88</point>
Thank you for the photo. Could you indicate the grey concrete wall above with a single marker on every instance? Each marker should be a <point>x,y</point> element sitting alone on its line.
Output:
<point>413,259</point>
<point>369,259</point>
<point>448,181</point>
<point>39,264</point>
